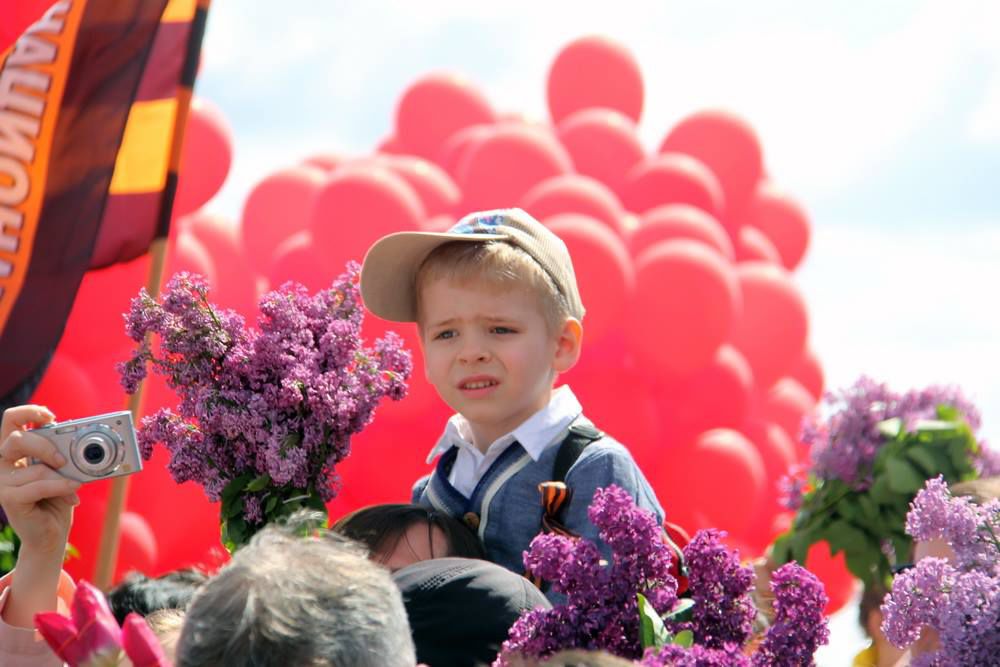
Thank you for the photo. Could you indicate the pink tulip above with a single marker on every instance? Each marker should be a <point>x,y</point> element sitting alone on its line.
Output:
<point>59,633</point>
<point>96,626</point>
<point>140,642</point>
<point>91,638</point>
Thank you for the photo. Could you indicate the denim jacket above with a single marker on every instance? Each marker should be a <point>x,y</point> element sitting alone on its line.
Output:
<point>506,508</point>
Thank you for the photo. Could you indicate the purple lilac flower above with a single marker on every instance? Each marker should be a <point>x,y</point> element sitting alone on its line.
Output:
<point>845,446</point>
<point>283,399</point>
<point>799,626</point>
<point>723,611</point>
<point>695,656</point>
<point>960,600</point>
<point>970,529</point>
<point>600,611</point>
<point>915,596</point>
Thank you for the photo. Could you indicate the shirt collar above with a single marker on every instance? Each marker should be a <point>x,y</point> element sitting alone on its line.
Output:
<point>535,433</point>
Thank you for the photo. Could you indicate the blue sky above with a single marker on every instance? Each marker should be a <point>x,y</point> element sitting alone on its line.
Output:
<point>882,118</point>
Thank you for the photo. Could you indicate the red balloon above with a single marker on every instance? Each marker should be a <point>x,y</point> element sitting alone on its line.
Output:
<point>672,178</point>
<point>787,403</point>
<point>378,469</point>
<point>186,253</point>
<point>832,571</point>
<point>454,151</point>
<point>752,245</point>
<point>603,144</point>
<point>205,158</point>
<point>772,330</point>
<point>679,221</point>
<point>357,206</point>
<point>573,193</point>
<point>326,162</point>
<point>187,524</point>
<point>717,481</point>
<point>594,72</point>
<point>278,207</point>
<point>728,146</point>
<point>66,389</point>
<point>685,302</point>
<point>628,416</point>
<point>137,548</point>
<point>782,220</point>
<point>603,269</point>
<point>85,533</point>
<point>95,327</point>
<point>778,454</point>
<point>717,396</point>
<point>391,145</point>
<point>809,373</point>
<point>501,168</point>
<point>439,194</point>
<point>439,223</point>
<point>297,259</point>
<point>220,238</point>
<point>434,108</point>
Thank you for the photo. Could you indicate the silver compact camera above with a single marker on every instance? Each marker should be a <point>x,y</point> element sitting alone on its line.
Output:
<point>95,447</point>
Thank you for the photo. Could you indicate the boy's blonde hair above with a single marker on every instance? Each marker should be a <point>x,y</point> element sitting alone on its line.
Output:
<point>495,264</point>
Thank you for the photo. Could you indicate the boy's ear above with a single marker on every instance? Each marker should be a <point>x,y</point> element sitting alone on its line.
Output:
<point>568,345</point>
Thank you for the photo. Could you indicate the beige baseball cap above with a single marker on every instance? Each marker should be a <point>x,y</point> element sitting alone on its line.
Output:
<point>389,272</point>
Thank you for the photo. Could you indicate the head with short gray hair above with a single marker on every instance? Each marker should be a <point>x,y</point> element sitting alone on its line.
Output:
<point>289,600</point>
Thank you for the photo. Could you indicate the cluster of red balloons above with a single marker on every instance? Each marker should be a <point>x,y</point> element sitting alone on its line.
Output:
<point>696,336</point>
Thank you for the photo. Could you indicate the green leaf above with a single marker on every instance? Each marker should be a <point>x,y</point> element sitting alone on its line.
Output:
<point>258,483</point>
<point>843,536</point>
<point>781,551</point>
<point>235,487</point>
<point>681,611</point>
<point>924,459</point>
<point>652,632</point>
<point>233,509</point>
<point>863,562</point>
<point>903,477</point>
<point>881,492</point>
<point>234,533</point>
<point>683,638</point>
<point>272,502</point>
<point>890,428</point>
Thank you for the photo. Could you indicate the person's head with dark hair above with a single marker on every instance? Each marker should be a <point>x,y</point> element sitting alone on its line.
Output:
<point>144,595</point>
<point>461,609</point>
<point>397,534</point>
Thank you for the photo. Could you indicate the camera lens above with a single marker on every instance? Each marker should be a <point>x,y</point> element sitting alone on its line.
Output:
<point>93,453</point>
<point>97,451</point>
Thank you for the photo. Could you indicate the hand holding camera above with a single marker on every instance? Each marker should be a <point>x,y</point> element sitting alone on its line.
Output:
<point>38,501</point>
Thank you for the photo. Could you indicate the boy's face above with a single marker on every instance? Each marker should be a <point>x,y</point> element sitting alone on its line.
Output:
<point>490,355</point>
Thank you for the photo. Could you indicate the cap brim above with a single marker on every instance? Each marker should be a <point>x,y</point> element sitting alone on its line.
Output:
<point>388,274</point>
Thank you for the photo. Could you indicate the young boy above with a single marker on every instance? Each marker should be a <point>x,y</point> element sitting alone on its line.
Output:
<point>499,316</point>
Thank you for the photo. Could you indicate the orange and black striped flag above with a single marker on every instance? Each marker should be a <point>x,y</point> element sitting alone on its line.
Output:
<point>93,100</point>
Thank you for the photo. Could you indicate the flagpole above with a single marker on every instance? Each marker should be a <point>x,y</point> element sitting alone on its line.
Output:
<point>107,554</point>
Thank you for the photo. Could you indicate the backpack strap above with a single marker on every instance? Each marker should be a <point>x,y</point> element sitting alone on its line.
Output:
<point>579,436</point>
<point>555,493</point>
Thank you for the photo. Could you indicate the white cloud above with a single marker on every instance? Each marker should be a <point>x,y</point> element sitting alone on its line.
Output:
<point>912,307</point>
<point>830,106</point>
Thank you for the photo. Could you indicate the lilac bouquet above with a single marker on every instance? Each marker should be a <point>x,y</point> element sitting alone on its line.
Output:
<point>960,600</point>
<point>265,414</point>
<point>630,607</point>
<point>869,458</point>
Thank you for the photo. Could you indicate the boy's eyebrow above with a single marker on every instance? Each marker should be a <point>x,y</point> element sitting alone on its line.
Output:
<point>487,318</point>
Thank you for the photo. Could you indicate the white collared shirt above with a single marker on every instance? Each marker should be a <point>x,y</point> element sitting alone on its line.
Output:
<point>536,434</point>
